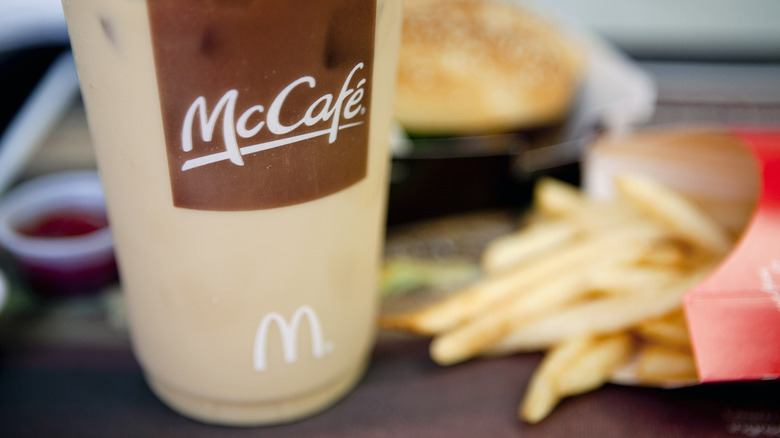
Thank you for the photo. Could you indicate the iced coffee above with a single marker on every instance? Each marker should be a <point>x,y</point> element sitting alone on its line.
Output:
<point>243,150</point>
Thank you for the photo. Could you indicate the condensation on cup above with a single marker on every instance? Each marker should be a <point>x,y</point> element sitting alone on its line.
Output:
<point>243,148</point>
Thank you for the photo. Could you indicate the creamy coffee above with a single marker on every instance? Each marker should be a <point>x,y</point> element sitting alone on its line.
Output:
<point>243,150</point>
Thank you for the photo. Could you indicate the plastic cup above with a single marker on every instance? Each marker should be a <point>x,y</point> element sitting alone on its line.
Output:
<point>243,147</point>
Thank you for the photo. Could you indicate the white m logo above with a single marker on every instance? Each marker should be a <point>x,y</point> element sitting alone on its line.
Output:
<point>289,336</point>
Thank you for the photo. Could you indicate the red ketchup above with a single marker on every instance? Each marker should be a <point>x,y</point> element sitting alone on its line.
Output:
<point>65,223</point>
<point>60,280</point>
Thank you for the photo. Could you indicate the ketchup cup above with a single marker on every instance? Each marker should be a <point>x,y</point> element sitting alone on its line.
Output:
<point>56,228</point>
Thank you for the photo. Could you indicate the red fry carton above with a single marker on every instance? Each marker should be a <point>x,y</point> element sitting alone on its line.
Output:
<point>734,175</point>
<point>734,315</point>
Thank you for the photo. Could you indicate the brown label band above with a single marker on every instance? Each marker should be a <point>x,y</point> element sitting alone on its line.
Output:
<point>265,103</point>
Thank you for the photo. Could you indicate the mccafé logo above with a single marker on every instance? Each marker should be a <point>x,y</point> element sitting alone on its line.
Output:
<point>339,112</point>
<point>289,336</point>
<point>254,116</point>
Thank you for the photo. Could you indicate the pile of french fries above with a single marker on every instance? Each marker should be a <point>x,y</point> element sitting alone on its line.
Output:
<point>598,285</point>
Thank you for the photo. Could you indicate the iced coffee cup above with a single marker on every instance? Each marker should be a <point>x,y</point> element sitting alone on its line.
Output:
<point>243,148</point>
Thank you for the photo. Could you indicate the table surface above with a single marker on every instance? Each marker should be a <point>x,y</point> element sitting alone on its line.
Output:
<point>67,369</point>
<point>97,392</point>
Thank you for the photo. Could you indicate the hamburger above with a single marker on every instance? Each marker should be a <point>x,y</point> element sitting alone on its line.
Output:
<point>472,67</point>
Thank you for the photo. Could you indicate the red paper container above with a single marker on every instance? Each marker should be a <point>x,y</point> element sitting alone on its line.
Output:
<point>734,315</point>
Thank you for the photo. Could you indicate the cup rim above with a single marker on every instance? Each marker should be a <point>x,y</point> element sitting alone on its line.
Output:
<point>49,193</point>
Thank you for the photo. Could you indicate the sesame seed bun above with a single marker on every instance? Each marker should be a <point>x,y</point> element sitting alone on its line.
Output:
<point>481,66</point>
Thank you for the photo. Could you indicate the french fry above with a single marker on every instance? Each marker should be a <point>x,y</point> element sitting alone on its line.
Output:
<point>469,339</point>
<point>556,198</point>
<point>607,315</point>
<point>535,239</point>
<point>541,298</point>
<point>463,305</point>
<point>542,395</point>
<point>594,368</point>
<point>670,253</point>
<point>669,329</point>
<point>563,214</point>
<point>630,279</point>
<point>575,366</point>
<point>679,214</point>
<point>659,364</point>
<point>543,235</point>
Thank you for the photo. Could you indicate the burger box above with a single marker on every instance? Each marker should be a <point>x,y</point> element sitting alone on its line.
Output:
<point>733,316</point>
